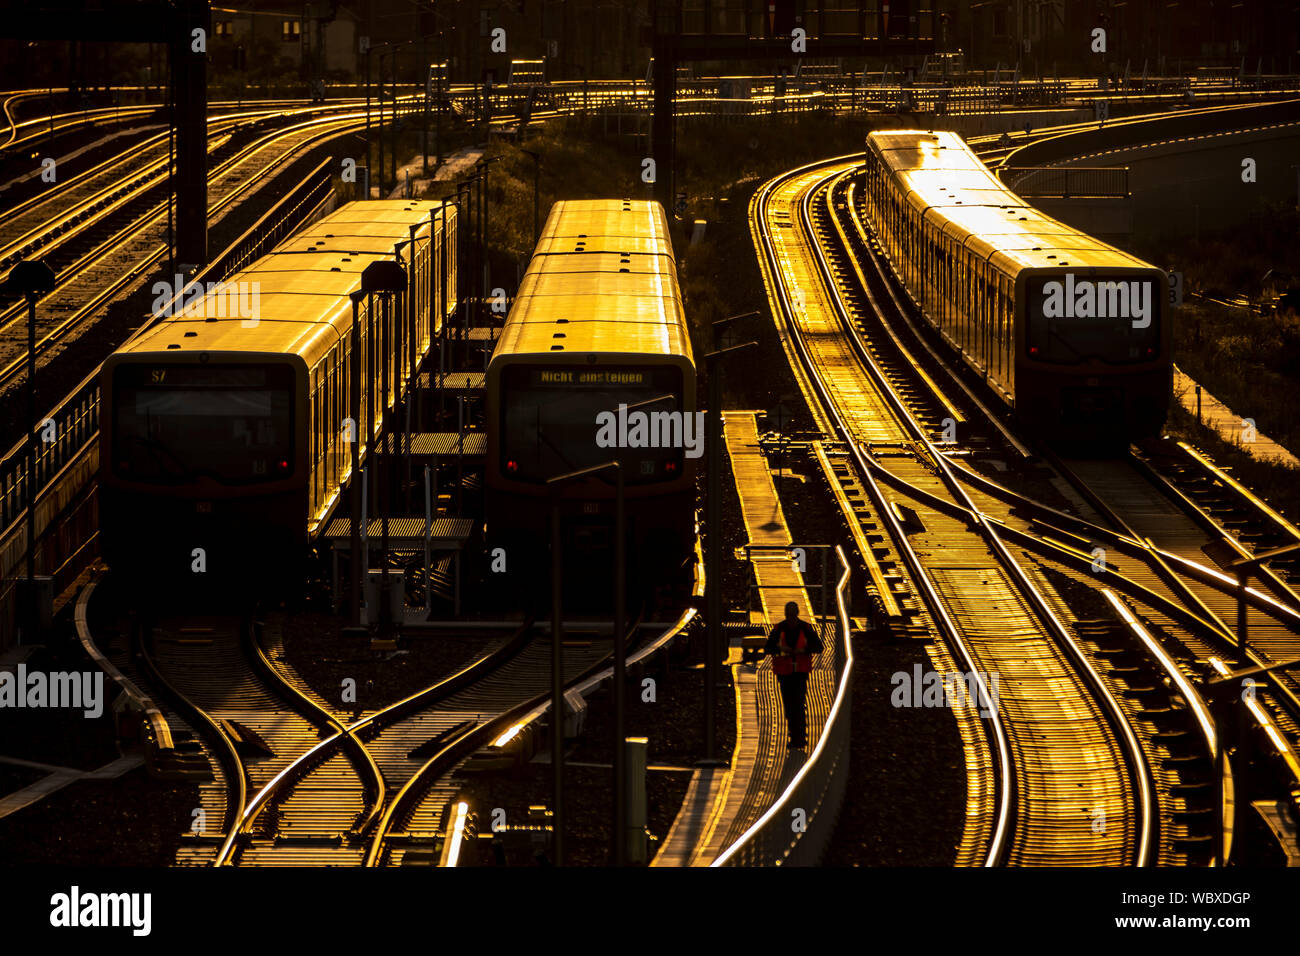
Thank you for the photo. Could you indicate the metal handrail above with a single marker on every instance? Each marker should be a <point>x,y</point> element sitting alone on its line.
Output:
<point>1065,182</point>
<point>780,837</point>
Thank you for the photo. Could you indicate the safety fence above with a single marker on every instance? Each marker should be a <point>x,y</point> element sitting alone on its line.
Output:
<point>1067,182</point>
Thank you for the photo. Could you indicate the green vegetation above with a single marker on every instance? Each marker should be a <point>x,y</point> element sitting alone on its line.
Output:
<point>1247,360</point>
<point>1247,357</point>
<point>1235,263</point>
<point>719,166</point>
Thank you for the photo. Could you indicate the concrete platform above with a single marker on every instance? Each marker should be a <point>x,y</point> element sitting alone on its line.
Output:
<point>721,803</point>
<point>1228,424</point>
<point>58,778</point>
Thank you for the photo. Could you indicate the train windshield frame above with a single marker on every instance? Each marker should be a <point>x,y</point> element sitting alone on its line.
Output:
<point>1075,317</point>
<point>174,423</point>
<point>556,419</point>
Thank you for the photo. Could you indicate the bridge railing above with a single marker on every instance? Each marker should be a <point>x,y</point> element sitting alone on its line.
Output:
<point>1120,134</point>
<point>1067,182</point>
<point>797,827</point>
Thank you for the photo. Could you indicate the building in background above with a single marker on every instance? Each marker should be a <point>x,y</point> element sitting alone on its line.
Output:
<point>286,45</point>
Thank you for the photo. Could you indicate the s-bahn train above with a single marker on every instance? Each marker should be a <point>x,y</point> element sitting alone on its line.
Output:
<point>594,364</point>
<point>1070,332</point>
<point>225,428</point>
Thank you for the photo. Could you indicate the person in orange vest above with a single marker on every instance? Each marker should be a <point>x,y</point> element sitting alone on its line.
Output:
<point>791,646</point>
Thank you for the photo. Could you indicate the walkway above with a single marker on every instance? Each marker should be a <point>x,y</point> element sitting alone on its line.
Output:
<point>59,778</point>
<point>722,803</point>
<point>1224,421</point>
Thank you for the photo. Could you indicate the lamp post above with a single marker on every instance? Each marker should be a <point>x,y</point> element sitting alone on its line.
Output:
<point>483,165</point>
<point>354,481</point>
<point>386,48</point>
<point>555,485</point>
<point>712,557</point>
<point>32,278</point>
<point>471,245</point>
<point>386,277</point>
<point>1233,558</point>
<point>537,167</point>
<point>428,88</point>
<point>379,95</point>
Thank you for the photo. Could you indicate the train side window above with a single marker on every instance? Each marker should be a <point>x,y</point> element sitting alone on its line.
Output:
<point>318,437</point>
<point>319,428</point>
<point>313,400</point>
<point>995,351</point>
<point>330,432</point>
<point>326,432</point>
<point>345,399</point>
<point>1008,326</point>
<point>967,296</point>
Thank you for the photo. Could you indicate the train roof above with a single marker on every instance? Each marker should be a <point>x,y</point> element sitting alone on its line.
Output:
<point>603,279</point>
<point>303,286</point>
<point>957,193</point>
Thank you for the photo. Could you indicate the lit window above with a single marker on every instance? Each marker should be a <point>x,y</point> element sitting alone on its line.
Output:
<point>224,28</point>
<point>290,29</point>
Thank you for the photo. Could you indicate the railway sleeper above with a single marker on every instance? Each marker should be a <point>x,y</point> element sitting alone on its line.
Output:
<point>435,743</point>
<point>1181,762</point>
<point>1198,790</point>
<point>171,765</point>
<point>1164,718</point>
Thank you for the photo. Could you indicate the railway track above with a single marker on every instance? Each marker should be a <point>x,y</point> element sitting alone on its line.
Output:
<point>119,257</point>
<point>1065,707</point>
<point>1127,504</point>
<point>483,712</point>
<point>1189,600</point>
<point>260,723</point>
<point>38,224</point>
<point>287,823</point>
<point>292,780</point>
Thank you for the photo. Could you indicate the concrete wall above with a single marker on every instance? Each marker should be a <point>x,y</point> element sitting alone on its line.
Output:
<point>980,124</point>
<point>1185,170</point>
<point>1192,187</point>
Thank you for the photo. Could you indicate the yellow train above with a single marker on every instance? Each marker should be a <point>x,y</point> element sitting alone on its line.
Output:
<point>1070,332</point>
<point>594,364</point>
<point>225,427</point>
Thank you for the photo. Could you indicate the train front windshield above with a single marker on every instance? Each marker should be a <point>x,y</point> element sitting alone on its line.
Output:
<point>558,420</point>
<point>1073,318</point>
<point>175,423</point>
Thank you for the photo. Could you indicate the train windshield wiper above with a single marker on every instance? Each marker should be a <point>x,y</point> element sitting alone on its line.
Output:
<point>541,435</point>
<point>1066,342</point>
<point>161,452</point>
